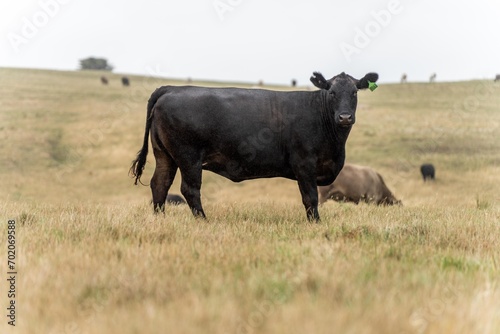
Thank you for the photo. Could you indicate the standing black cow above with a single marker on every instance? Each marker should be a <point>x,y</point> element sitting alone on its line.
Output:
<point>125,81</point>
<point>428,171</point>
<point>245,134</point>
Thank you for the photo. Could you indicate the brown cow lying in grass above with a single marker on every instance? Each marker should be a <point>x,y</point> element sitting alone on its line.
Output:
<point>358,183</point>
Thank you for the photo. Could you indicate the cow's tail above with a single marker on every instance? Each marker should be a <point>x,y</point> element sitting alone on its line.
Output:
<point>139,163</point>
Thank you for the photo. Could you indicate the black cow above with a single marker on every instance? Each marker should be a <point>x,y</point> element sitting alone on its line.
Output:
<point>104,80</point>
<point>497,78</point>
<point>245,134</point>
<point>175,199</point>
<point>125,81</point>
<point>428,171</point>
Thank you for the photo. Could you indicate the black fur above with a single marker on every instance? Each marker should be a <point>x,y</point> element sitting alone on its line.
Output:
<point>319,81</point>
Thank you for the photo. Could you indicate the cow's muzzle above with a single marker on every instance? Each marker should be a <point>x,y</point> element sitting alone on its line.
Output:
<point>346,120</point>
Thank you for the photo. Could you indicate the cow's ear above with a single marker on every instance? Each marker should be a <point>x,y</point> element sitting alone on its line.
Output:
<point>364,82</point>
<point>319,81</point>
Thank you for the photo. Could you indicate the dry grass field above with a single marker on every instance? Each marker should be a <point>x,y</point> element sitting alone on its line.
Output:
<point>93,258</point>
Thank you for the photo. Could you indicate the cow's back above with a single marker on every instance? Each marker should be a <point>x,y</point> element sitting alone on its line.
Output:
<point>212,111</point>
<point>366,185</point>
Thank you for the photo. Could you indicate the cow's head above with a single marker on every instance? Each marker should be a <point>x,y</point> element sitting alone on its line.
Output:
<point>343,96</point>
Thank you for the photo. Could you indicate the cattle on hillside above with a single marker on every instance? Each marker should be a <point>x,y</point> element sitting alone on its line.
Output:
<point>125,81</point>
<point>358,184</point>
<point>294,83</point>
<point>428,171</point>
<point>104,80</point>
<point>245,134</point>
<point>404,78</point>
<point>497,78</point>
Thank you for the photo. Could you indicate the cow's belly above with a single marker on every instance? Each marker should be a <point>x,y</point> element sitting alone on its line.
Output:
<point>238,170</point>
<point>325,180</point>
<point>327,173</point>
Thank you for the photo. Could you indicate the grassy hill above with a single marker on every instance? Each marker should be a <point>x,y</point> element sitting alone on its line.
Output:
<point>94,259</point>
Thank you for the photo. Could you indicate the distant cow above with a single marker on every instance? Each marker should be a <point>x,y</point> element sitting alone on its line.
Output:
<point>497,77</point>
<point>175,199</point>
<point>294,83</point>
<point>104,80</point>
<point>432,77</point>
<point>358,184</point>
<point>404,78</point>
<point>125,81</point>
<point>428,171</point>
<point>245,134</point>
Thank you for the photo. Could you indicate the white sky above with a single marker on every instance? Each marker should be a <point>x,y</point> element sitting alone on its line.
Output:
<point>273,41</point>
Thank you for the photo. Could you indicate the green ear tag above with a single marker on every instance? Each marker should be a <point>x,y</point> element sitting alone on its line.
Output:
<point>372,85</point>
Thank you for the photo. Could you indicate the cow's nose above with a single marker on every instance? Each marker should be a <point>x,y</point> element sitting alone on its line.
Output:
<point>345,119</point>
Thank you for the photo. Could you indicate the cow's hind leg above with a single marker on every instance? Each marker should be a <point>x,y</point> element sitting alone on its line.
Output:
<point>162,179</point>
<point>191,185</point>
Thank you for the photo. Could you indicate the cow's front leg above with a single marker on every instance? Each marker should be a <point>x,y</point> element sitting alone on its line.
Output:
<point>306,179</point>
<point>309,194</point>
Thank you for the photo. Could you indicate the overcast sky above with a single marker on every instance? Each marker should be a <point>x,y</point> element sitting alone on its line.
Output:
<point>251,40</point>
